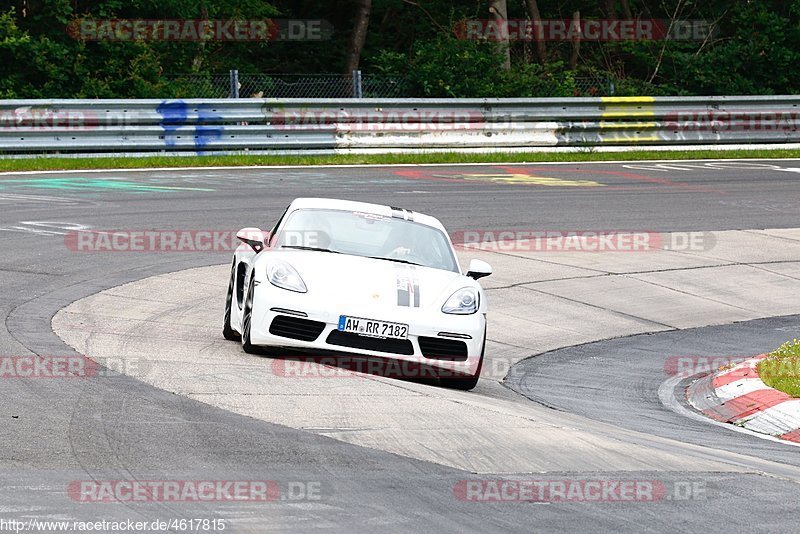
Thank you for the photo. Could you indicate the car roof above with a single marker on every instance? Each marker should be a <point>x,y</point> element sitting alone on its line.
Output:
<point>364,207</point>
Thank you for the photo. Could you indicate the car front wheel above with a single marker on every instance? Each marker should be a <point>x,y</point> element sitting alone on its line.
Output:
<point>466,383</point>
<point>247,321</point>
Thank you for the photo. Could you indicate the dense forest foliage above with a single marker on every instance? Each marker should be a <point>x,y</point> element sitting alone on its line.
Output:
<point>753,47</point>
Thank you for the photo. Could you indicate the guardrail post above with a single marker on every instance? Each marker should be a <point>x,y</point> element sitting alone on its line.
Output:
<point>357,90</point>
<point>234,90</point>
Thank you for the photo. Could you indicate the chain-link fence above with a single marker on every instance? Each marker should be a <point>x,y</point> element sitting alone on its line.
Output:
<point>589,86</point>
<point>244,85</point>
<point>564,85</point>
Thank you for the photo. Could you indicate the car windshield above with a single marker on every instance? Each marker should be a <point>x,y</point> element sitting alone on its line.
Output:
<point>367,235</point>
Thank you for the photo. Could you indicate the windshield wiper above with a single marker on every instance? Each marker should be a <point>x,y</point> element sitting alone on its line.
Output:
<point>316,249</point>
<point>395,260</point>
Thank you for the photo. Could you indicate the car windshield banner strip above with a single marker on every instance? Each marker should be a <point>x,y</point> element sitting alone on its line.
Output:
<point>402,213</point>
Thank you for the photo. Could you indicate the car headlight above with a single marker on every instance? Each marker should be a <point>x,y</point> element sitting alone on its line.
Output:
<point>465,301</point>
<point>283,275</point>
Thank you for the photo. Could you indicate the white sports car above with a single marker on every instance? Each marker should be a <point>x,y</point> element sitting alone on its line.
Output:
<point>338,277</point>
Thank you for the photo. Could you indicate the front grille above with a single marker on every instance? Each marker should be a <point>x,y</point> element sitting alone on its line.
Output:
<point>394,346</point>
<point>437,348</point>
<point>296,328</point>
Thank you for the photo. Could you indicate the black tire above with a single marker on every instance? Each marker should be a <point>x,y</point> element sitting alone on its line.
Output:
<point>466,383</point>
<point>227,332</point>
<point>247,321</point>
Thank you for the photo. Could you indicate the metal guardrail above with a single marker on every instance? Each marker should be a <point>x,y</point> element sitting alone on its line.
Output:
<point>207,126</point>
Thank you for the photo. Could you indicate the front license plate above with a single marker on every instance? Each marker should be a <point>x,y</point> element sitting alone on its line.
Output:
<point>372,328</point>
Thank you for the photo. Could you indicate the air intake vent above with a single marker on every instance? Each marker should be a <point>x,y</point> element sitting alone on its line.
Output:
<point>437,348</point>
<point>296,328</point>
<point>394,346</point>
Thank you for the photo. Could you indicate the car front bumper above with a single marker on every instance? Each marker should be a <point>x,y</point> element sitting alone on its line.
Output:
<point>427,329</point>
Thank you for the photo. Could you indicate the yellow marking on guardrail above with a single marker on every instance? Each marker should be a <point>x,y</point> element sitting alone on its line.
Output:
<point>627,112</point>
<point>527,179</point>
<point>627,99</point>
<point>627,125</point>
<point>631,138</point>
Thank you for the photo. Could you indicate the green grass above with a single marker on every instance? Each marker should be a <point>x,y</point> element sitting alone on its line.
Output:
<point>781,370</point>
<point>56,163</point>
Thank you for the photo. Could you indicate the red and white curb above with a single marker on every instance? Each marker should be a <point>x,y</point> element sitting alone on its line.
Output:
<point>738,396</point>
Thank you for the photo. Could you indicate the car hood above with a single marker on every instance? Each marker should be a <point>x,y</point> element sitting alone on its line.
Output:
<point>371,283</point>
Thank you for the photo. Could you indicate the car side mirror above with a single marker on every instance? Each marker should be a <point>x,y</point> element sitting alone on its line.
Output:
<point>478,269</point>
<point>253,237</point>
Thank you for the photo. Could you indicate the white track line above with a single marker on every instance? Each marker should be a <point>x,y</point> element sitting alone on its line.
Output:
<point>391,165</point>
<point>35,198</point>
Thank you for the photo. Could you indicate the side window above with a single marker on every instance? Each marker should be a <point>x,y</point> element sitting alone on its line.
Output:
<point>274,230</point>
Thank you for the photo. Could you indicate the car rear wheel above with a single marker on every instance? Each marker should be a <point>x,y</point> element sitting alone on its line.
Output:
<point>227,331</point>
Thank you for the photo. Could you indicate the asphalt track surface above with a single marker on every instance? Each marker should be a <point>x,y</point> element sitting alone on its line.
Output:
<point>617,381</point>
<point>59,431</point>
